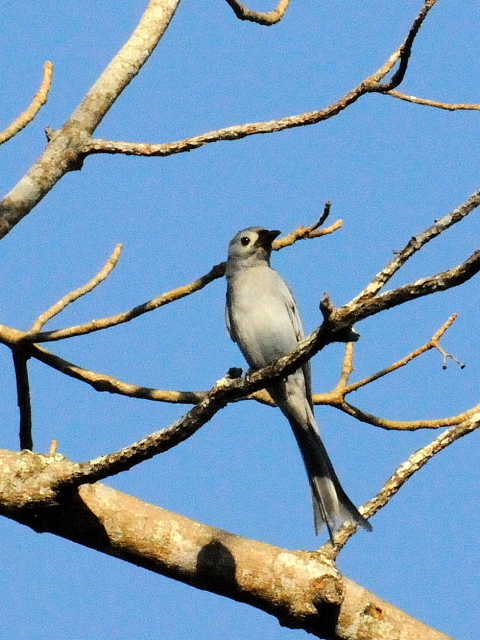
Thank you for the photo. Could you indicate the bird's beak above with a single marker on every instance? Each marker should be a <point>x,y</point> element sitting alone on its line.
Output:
<point>266,237</point>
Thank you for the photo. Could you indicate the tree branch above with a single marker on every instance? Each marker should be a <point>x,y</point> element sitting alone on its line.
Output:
<point>372,84</point>
<point>20,358</point>
<point>267,19</point>
<point>81,291</point>
<point>37,103</point>
<point>404,472</point>
<point>434,103</point>
<point>65,151</point>
<point>314,597</point>
<point>218,271</point>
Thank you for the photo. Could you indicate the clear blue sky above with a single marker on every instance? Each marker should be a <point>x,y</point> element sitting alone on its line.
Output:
<point>389,168</point>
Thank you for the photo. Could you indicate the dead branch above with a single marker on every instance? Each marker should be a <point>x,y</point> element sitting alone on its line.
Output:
<point>372,84</point>
<point>81,291</point>
<point>20,358</point>
<point>416,243</point>
<point>267,19</point>
<point>218,271</point>
<point>404,472</point>
<point>37,103</point>
<point>434,103</point>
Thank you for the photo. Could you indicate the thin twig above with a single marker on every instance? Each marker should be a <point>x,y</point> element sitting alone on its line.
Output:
<point>416,243</point>
<point>404,472</point>
<point>20,358</point>
<point>81,291</point>
<point>37,103</point>
<point>434,103</point>
<point>433,343</point>
<point>267,19</point>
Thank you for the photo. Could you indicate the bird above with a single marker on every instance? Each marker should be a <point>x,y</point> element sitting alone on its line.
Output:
<point>262,317</point>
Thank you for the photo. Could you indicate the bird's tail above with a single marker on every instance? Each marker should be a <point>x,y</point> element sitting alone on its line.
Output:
<point>331,505</point>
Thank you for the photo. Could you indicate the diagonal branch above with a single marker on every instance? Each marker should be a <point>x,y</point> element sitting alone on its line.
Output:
<point>37,103</point>
<point>404,472</point>
<point>81,291</point>
<point>416,243</point>
<point>434,103</point>
<point>267,19</point>
<point>218,271</point>
<point>65,151</point>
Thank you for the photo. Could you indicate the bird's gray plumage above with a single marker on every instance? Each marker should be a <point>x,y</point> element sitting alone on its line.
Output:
<point>262,318</point>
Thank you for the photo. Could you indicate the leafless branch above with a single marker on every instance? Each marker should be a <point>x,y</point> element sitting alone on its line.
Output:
<point>404,472</point>
<point>218,271</point>
<point>267,19</point>
<point>20,358</point>
<point>416,243</point>
<point>434,103</point>
<point>65,151</point>
<point>37,103</point>
<point>372,84</point>
<point>81,291</point>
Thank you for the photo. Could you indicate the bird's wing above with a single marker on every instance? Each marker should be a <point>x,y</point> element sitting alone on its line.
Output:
<point>296,321</point>
<point>230,330</point>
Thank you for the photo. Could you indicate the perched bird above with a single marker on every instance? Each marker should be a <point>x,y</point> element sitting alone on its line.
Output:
<point>263,319</point>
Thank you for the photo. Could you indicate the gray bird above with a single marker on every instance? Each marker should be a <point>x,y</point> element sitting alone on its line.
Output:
<point>263,319</point>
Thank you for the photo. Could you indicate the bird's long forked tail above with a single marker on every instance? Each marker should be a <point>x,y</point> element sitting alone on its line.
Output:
<point>331,505</point>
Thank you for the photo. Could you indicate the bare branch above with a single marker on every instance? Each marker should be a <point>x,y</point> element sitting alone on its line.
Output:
<point>372,84</point>
<point>218,271</point>
<point>406,49</point>
<point>404,472</point>
<point>433,343</point>
<point>81,291</point>
<point>65,151</point>
<point>416,243</point>
<point>20,358</point>
<point>315,597</point>
<point>267,19</point>
<point>37,103</point>
<point>434,103</point>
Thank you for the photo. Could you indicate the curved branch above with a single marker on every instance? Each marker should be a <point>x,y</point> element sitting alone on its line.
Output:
<point>372,84</point>
<point>267,19</point>
<point>37,103</point>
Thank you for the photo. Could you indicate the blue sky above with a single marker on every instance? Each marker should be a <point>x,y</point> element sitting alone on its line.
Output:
<point>390,168</point>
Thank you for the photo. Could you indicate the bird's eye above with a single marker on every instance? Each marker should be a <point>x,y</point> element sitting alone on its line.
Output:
<point>245,240</point>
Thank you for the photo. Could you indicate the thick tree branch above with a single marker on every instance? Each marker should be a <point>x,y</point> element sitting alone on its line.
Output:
<point>65,151</point>
<point>297,587</point>
<point>267,19</point>
<point>37,103</point>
